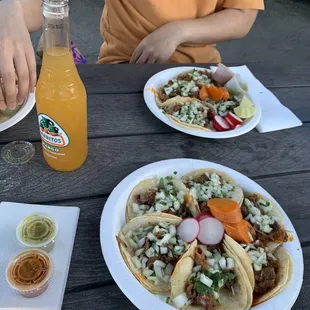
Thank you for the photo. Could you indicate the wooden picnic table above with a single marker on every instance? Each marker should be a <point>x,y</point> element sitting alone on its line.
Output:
<point>124,135</point>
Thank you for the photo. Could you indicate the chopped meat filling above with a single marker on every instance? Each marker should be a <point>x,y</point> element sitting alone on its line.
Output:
<point>205,301</point>
<point>200,259</point>
<point>265,279</point>
<point>147,198</point>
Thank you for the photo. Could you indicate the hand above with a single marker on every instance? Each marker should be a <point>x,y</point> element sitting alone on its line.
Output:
<point>159,45</point>
<point>16,55</point>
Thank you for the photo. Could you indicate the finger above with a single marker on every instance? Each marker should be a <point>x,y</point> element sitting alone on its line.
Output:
<point>2,102</point>
<point>143,58</point>
<point>21,68</point>
<point>31,61</point>
<point>136,54</point>
<point>8,77</point>
<point>152,60</point>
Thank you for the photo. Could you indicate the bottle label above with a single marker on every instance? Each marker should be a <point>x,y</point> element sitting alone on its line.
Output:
<point>51,133</point>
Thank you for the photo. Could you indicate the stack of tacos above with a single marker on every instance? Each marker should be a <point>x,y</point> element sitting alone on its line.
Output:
<point>237,273</point>
<point>198,99</point>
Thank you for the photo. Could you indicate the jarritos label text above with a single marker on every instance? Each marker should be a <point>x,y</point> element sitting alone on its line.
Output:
<point>51,132</point>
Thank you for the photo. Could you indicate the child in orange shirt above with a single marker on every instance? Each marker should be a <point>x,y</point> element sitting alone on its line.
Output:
<point>179,31</point>
<point>136,31</point>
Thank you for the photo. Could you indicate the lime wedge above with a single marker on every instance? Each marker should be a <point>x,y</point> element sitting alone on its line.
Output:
<point>246,103</point>
<point>245,112</point>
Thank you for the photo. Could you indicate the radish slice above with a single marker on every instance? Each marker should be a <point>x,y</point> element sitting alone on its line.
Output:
<point>234,119</point>
<point>188,230</point>
<point>231,125</point>
<point>220,124</point>
<point>211,231</point>
<point>202,216</point>
<point>222,75</point>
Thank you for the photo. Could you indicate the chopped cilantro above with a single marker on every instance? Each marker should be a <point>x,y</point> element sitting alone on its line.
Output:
<point>224,276</point>
<point>202,289</point>
<point>267,203</point>
<point>175,172</point>
<point>161,184</point>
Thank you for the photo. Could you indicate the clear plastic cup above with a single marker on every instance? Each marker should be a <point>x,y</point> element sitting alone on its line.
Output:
<point>17,152</point>
<point>29,272</point>
<point>38,230</point>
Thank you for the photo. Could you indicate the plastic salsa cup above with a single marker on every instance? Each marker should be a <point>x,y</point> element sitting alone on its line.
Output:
<point>28,273</point>
<point>38,231</point>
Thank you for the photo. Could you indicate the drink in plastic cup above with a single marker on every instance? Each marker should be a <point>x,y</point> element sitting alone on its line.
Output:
<point>38,231</point>
<point>28,273</point>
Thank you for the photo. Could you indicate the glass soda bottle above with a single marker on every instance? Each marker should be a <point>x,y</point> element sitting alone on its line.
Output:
<point>60,95</point>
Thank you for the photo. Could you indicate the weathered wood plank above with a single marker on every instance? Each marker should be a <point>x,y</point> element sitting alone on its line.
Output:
<point>86,269</point>
<point>111,159</point>
<point>105,298</point>
<point>111,297</point>
<point>132,78</point>
<point>108,115</point>
<point>127,114</point>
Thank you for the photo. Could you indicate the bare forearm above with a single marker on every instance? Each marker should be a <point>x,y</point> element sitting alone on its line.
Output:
<point>228,24</point>
<point>32,13</point>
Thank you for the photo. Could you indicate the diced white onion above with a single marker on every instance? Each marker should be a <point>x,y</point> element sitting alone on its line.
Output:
<point>163,250</point>
<point>257,267</point>
<point>172,230</point>
<point>151,236</point>
<point>180,300</point>
<point>164,240</point>
<point>159,263</point>
<point>158,272</point>
<point>150,252</point>
<point>222,263</point>
<point>267,229</point>
<point>147,272</point>
<point>141,242</point>
<point>173,240</point>
<point>136,262</point>
<point>205,280</point>
<point>205,251</point>
<point>144,261</point>
<point>156,248</point>
<point>133,244</point>
<point>196,269</point>
<point>139,252</point>
<point>135,207</point>
<point>230,263</point>
<point>211,261</point>
<point>216,295</point>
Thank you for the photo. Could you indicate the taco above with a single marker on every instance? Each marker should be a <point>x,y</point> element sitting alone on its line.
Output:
<point>211,278</point>
<point>266,219</point>
<point>268,272</point>
<point>164,195</point>
<point>205,184</point>
<point>186,84</point>
<point>190,112</point>
<point>151,248</point>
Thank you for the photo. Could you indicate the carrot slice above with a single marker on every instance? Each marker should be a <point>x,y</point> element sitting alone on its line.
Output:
<point>239,231</point>
<point>203,93</point>
<point>224,92</point>
<point>225,210</point>
<point>215,93</point>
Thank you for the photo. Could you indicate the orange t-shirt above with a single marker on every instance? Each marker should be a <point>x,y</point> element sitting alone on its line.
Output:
<point>125,23</point>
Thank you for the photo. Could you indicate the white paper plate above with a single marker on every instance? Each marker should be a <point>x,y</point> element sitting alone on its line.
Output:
<point>23,112</point>
<point>113,218</point>
<point>161,78</point>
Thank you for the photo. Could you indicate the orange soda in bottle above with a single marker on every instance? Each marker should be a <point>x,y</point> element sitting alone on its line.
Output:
<point>60,95</point>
